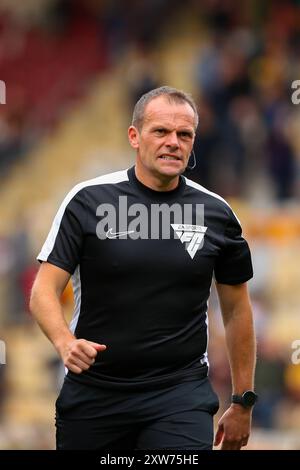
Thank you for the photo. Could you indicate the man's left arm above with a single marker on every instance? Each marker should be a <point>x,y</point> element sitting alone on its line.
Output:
<point>234,426</point>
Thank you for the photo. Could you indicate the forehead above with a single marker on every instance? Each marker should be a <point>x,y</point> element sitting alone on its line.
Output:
<point>162,111</point>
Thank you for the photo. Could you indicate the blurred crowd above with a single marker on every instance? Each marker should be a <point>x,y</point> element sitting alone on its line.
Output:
<point>247,60</point>
<point>247,144</point>
<point>244,74</point>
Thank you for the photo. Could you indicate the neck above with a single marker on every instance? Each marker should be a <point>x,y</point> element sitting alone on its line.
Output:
<point>157,182</point>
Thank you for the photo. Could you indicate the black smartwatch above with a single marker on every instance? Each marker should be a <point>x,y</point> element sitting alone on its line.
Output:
<point>247,399</point>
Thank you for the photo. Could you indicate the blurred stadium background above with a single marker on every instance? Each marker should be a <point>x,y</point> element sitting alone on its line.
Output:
<point>73,70</point>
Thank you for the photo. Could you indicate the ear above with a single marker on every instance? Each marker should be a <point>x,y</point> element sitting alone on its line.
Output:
<point>133,137</point>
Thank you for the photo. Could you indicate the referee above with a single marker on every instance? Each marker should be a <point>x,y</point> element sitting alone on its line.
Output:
<point>142,246</point>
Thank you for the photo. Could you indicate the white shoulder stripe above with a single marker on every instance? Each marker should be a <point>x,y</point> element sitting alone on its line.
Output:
<point>111,178</point>
<point>204,190</point>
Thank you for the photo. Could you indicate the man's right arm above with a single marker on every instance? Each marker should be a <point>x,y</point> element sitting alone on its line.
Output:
<point>45,306</point>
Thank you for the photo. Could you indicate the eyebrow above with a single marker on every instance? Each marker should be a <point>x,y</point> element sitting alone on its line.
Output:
<point>167,129</point>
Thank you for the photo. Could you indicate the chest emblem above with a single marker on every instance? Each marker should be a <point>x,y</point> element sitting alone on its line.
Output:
<point>191,235</point>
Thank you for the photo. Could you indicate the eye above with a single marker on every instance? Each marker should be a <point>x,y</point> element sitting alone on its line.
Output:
<point>160,131</point>
<point>185,135</point>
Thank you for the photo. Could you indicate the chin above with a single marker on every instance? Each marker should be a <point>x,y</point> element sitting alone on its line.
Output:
<point>171,171</point>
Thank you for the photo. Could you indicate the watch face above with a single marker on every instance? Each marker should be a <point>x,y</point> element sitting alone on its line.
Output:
<point>249,398</point>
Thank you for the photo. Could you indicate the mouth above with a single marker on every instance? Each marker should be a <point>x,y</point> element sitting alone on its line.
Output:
<point>169,157</point>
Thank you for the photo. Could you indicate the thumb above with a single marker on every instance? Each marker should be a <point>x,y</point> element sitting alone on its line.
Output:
<point>97,346</point>
<point>219,435</point>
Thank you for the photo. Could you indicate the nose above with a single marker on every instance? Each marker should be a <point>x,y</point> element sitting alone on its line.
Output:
<point>172,140</point>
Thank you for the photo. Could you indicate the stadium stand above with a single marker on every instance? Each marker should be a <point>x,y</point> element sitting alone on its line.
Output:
<point>72,76</point>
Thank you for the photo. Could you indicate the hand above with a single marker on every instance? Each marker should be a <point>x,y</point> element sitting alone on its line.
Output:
<point>79,354</point>
<point>234,428</point>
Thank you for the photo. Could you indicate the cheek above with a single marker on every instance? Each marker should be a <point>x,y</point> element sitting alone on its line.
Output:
<point>187,149</point>
<point>148,150</point>
<point>152,147</point>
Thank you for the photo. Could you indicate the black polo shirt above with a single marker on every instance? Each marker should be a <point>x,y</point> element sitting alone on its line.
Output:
<point>142,263</point>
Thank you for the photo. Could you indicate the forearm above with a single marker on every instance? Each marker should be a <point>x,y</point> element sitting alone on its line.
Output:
<point>240,340</point>
<point>46,308</point>
<point>77,354</point>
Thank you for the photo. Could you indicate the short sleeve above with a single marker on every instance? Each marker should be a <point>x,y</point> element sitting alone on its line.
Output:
<point>234,264</point>
<point>64,242</point>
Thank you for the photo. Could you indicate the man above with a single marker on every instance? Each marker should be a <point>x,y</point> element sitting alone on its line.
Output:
<point>142,246</point>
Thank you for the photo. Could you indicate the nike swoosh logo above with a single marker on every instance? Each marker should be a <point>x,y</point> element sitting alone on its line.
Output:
<point>110,234</point>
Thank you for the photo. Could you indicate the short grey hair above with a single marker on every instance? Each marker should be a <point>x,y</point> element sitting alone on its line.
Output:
<point>172,94</point>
